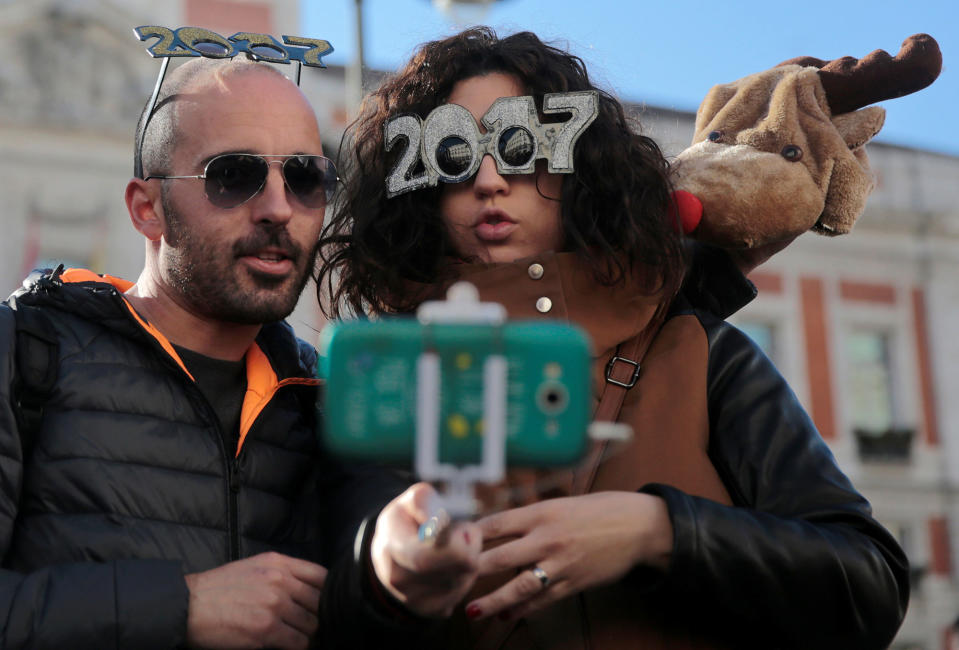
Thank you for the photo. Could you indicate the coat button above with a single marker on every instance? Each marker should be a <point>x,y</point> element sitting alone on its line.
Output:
<point>544,304</point>
<point>535,271</point>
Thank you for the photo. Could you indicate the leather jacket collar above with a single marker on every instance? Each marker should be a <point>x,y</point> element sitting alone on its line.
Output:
<point>562,286</point>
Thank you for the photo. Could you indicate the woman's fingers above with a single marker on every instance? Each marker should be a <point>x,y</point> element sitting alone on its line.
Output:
<point>578,542</point>
<point>527,592</point>
<point>510,523</point>
<point>459,553</point>
<point>522,552</point>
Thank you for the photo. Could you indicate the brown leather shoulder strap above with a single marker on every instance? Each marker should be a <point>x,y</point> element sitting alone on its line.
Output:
<point>622,373</point>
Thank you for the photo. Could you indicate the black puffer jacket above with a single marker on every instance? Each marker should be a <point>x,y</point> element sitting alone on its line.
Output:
<point>128,483</point>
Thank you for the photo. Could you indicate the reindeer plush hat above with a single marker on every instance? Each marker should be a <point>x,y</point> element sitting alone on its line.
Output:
<point>781,151</point>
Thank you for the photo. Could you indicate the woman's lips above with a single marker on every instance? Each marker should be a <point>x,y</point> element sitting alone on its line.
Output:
<point>491,232</point>
<point>494,226</point>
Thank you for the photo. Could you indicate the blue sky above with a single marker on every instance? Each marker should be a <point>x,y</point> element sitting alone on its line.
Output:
<point>669,53</point>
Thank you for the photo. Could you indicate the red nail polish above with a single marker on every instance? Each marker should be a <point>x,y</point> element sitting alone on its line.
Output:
<point>503,615</point>
<point>466,536</point>
<point>473,611</point>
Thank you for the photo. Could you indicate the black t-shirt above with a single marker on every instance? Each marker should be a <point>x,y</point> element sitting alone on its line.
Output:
<point>223,383</point>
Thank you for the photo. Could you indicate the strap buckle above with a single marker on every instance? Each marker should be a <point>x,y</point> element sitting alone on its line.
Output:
<point>616,382</point>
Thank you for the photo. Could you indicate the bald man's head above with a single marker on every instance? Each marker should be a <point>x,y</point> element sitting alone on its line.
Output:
<point>160,139</point>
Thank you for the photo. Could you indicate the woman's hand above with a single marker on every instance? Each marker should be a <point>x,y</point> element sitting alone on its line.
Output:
<point>576,542</point>
<point>429,576</point>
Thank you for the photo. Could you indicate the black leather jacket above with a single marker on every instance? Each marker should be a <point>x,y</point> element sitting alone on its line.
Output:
<point>799,562</point>
<point>129,483</point>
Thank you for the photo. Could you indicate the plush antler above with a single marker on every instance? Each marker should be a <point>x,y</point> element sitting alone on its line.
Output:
<point>853,83</point>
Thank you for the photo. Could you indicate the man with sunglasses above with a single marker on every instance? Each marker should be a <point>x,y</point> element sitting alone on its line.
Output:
<point>164,487</point>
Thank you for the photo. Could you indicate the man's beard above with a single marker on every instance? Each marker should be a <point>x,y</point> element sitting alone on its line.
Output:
<point>211,279</point>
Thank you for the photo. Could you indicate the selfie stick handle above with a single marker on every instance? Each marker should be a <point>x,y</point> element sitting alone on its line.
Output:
<point>461,306</point>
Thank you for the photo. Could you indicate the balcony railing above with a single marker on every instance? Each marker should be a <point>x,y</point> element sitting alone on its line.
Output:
<point>889,445</point>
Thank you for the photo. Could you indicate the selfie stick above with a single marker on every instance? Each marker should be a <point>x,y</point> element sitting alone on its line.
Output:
<point>462,306</point>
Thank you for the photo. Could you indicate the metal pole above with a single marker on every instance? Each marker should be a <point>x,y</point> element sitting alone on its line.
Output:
<point>354,72</point>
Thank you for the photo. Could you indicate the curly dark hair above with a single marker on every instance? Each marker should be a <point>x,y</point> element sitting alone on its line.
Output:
<point>614,208</point>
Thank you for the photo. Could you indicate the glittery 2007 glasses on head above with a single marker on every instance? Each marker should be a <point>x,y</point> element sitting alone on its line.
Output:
<point>234,178</point>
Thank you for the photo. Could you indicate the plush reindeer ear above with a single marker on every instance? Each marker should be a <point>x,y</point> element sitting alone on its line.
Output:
<point>850,183</point>
<point>850,180</point>
<point>859,127</point>
<point>717,97</point>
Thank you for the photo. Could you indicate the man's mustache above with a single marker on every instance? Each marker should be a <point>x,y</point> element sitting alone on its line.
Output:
<point>272,237</point>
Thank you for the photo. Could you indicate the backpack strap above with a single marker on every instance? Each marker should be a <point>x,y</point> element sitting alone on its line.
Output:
<point>36,367</point>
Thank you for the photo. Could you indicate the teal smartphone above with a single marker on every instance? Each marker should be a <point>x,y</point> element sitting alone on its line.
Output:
<point>372,370</point>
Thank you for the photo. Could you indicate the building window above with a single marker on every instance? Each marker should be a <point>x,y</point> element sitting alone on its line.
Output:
<point>763,334</point>
<point>870,386</point>
<point>870,397</point>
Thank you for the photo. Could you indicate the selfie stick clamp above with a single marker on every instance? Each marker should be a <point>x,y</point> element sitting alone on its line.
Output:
<point>462,306</point>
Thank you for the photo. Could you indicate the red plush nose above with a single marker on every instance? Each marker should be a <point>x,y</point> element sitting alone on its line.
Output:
<point>690,210</point>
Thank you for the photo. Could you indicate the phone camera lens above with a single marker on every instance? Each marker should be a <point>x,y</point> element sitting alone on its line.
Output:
<point>552,398</point>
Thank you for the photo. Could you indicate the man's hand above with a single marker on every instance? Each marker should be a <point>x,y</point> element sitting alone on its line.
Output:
<point>429,577</point>
<point>269,600</point>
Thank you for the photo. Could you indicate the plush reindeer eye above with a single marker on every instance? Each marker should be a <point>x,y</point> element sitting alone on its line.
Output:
<point>792,153</point>
<point>715,136</point>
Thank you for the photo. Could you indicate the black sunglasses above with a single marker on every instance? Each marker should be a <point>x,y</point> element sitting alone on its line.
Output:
<point>232,179</point>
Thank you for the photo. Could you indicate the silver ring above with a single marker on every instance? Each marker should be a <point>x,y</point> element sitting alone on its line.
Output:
<point>540,575</point>
<point>429,529</point>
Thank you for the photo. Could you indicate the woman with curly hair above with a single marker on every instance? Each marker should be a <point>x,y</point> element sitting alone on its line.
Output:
<point>724,521</point>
